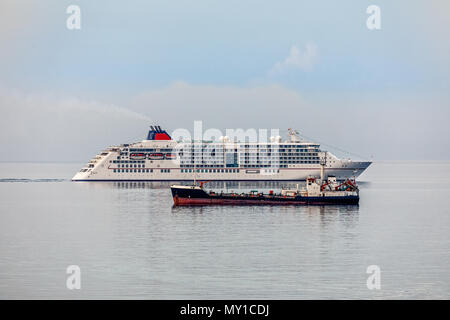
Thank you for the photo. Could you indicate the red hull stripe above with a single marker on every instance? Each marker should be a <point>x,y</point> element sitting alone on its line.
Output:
<point>198,201</point>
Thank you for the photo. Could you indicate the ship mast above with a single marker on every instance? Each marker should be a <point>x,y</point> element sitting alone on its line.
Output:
<point>195,167</point>
<point>323,162</point>
<point>293,134</point>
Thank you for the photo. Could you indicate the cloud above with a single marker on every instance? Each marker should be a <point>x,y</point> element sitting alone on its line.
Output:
<point>45,127</point>
<point>15,18</point>
<point>178,105</point>
<point>297,59</point>
<point>359,124</point>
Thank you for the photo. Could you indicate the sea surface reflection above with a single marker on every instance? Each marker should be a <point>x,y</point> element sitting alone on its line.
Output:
<point>130,242</point>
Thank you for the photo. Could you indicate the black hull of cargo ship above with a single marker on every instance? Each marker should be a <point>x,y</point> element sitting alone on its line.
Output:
<point>197,196</point>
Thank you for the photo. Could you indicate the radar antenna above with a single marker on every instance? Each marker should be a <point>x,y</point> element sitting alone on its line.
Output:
<point>294,135</point>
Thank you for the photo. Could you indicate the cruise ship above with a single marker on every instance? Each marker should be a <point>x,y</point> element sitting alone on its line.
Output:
<point>160,158</point>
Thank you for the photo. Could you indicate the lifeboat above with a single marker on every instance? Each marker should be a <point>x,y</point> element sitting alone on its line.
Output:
<point>137,156</point>
<point>156,156</point>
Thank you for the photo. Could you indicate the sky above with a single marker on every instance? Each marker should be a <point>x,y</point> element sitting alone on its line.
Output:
<point>311,65</point>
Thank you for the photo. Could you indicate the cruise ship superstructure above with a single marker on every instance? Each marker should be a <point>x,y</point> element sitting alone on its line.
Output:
<point>160,158</point>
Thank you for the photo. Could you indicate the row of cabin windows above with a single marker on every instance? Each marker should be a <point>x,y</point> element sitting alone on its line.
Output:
<point>246,164</point>
<point>273,154</point>
<point>260,163</point>
<point>303,161</point>
<point>139,170</point>
<point>281,146</point>
<point>251,164</point>
<point>191,164</point>
<point>132,165</point>
<point>216,153</point>
<point>151,150</point>
<point>132,170</point>
<point>266,166</point>
<point>211,170</point>
<point>128,161</point>
<point>254,158</point>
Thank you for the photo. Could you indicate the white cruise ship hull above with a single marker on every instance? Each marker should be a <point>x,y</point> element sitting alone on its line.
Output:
<point>345,171</point>
<point>159,158</point>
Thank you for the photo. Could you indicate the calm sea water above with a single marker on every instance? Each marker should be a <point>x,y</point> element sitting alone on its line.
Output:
<point>130,242</point>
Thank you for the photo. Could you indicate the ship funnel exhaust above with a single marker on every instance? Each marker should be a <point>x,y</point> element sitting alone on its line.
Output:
<point>156,133</point>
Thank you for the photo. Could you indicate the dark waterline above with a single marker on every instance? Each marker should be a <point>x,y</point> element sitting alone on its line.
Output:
<point>130,242</point>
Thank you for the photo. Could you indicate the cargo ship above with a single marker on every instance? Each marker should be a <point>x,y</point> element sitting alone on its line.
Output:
<point>316,192</point>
